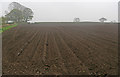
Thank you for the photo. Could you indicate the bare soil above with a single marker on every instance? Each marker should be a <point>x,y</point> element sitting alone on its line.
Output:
<point>60,49</point>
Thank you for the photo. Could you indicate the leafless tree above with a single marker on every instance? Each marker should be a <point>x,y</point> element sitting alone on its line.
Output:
<point>76,20</point>
<point>102,19</point>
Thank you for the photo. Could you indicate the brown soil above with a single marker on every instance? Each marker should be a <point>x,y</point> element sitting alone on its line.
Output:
<point>61,49</point>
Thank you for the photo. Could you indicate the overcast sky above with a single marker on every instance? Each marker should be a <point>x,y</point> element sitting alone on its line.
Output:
<point>67,10</point>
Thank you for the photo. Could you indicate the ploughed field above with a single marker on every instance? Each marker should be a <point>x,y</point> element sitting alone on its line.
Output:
<point>60,49</point>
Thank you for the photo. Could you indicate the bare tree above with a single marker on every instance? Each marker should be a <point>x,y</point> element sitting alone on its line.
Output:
<point>76,20</point>
<point>102,19</point>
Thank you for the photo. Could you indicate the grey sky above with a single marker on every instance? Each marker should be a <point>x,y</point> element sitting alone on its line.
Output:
<point>65,11</point>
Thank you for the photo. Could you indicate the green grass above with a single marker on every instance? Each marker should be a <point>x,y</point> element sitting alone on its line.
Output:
<point>7,27</point>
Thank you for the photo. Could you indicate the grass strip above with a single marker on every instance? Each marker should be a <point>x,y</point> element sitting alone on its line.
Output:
<point>7,27</point>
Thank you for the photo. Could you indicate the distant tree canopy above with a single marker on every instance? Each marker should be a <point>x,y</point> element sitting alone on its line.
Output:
<point>19,13</point>
<point>102,19</point>
<point>76,20</point>
<point>15,15</point>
